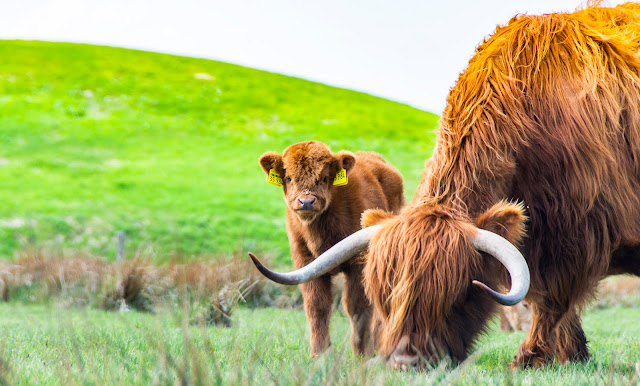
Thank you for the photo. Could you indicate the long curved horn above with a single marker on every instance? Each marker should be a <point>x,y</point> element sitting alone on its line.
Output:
<point>344,250</point>
<point>512,259</point>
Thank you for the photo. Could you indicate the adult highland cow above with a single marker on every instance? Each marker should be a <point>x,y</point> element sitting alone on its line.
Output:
<point>543,125</point>
<point>326,194</point>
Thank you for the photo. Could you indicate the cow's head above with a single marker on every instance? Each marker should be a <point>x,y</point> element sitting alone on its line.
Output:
<point>424,273</point>
<point>307,170</point>
<point>420,272</point>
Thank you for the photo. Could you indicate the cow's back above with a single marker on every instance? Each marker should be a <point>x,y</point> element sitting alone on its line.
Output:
<point>579,170</point>
<point>378,172</point>
<point>567,134</point>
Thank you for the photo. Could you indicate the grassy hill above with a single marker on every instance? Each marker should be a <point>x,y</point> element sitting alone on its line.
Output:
<point>96,139</point>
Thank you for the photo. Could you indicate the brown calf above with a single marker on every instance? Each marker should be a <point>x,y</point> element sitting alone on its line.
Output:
<point>320,214</point>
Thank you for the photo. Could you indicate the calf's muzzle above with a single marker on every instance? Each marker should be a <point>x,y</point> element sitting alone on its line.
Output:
<point>306,203</point>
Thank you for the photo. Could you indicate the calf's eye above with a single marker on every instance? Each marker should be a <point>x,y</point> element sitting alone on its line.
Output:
<point>324,179</point>
<point>288,179</point>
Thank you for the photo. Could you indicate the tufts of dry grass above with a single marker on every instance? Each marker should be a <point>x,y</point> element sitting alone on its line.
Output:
<point>624,290</point>
<point>138,285</point>
<point>213,288</point>
<point>39,275</point>
<point>218,311</point>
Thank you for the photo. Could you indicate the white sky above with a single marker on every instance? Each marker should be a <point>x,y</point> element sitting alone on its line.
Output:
<point>405,50</point>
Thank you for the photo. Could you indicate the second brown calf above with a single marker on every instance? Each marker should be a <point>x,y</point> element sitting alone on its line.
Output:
<point>320,214</point>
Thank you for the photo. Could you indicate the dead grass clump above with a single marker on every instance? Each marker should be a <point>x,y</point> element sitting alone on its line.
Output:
<point>37,274</point>
<point>275,295</point>
<point>213,275</point>
<point>222,277</point>
<point>218,312</point>
<point>212,287</point>
<point>622,290</point>
<point>138,285</point>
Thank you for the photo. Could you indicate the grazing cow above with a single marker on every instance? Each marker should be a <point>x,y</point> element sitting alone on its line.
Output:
<point>541,130</point>
<point>323,209</point>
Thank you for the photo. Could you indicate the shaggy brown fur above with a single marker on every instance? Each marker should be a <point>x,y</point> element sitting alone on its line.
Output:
<point>547,115</point>
<point>308,170</point>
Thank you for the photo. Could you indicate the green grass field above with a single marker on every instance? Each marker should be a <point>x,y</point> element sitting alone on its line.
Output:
<point>268,346</point>
<point>94,140</point>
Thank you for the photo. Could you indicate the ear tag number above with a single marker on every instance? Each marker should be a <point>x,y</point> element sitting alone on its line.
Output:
<point>341,178</point>
<point>274,178</point>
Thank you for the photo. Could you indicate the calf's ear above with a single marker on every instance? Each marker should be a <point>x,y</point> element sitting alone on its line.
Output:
<point>346,159</point>
<point>506,219</point>
<point>271,160</point>
<point>374,216</point>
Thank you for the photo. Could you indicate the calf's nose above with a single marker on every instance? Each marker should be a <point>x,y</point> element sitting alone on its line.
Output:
<point>306,203</point>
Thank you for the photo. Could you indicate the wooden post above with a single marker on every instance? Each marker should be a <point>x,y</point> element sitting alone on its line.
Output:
<point>120,236</point>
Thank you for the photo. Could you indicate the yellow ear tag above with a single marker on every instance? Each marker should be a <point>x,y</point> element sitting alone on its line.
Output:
<point>274,178</point>
<point>341,178</point>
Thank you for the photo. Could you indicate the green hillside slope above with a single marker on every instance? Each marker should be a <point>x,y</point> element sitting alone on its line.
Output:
<point>95,139</point>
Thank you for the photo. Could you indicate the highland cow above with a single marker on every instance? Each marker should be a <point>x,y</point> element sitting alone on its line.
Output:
<point>326,195</point>
<point>542,130</point>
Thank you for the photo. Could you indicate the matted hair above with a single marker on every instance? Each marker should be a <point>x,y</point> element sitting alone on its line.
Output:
<point>547,114</point>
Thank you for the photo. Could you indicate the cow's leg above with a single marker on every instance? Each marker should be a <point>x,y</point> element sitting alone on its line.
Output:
<point>555,332</point>
<point>538,349</point>
<point>318,302</point>
<point>571,341</point>
<point>359,310</point>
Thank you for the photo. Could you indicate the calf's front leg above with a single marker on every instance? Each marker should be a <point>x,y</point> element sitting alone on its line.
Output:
<point>318,302</point>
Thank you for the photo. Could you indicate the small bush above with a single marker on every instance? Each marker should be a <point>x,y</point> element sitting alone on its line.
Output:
<point>135,288</point>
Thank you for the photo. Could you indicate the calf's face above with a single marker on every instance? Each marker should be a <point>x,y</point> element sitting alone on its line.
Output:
<point>307,170</point>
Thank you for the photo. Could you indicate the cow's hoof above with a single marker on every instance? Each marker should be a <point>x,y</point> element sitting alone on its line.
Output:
<point>529,359</point>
